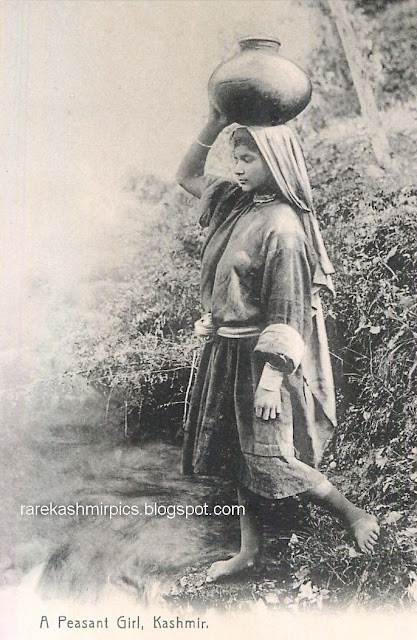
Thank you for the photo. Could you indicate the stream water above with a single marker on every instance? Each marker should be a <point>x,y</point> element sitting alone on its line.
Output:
<point>69,461</point>
<point>141,553</point>
<point>63,447</point>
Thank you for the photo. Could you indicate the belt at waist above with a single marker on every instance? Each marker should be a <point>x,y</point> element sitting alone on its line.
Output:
<point>238,332</point>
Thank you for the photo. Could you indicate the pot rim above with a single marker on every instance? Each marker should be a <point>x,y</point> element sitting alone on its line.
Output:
<point>262,38</point>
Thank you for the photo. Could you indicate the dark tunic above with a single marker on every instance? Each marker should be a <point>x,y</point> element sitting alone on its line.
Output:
<point>257,268</point>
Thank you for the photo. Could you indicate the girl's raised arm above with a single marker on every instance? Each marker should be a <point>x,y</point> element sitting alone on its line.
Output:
<point>190,174</point>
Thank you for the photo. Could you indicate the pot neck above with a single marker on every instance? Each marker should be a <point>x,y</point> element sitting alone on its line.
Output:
<point>252,42</point>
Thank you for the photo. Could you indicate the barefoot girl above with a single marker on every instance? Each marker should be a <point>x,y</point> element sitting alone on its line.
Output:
<point>262,408</point>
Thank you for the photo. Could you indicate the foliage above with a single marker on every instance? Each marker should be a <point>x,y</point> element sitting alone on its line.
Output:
<point>140,350</point>
<point>394,37</point>
<point>375,6</point>
<point>378,331</point>
<point>375,312</point>
<point>338,181</point>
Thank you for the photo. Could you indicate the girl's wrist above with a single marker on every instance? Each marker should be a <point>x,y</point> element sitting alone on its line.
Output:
<point>213,127</point>
<point>206,137</point>
<point>202,144</point>
<point>271,378</point>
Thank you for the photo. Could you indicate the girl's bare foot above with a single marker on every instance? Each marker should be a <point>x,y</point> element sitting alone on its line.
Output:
<point>363,526</point>
<point>365,530</point>
<point>225,568</point>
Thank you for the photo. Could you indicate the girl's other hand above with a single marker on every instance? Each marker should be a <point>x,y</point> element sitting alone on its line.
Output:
<point>267,403</point>
<point>216,117</point>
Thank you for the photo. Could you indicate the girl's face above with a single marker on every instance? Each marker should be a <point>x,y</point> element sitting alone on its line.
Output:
<point>251,170</point>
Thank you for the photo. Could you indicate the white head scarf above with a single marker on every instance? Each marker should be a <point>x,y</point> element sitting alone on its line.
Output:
<point>285,159</point>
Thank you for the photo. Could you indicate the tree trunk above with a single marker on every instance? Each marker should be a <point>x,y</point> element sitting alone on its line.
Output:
<point>369,109</point>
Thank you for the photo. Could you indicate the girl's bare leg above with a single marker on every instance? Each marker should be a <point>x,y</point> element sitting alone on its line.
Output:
<point>363,525</point>
<point>251,542</point>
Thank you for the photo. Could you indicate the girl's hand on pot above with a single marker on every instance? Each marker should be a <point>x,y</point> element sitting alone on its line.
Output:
<point>267,403</point>
<point>216,117</point>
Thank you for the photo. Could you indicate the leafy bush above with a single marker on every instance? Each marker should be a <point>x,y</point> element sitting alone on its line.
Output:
<point>338,181</point>
<point>141,348</point>
<point>377,322</point>
<point>375,313</point>
<point>394,35</point>
<point>375,6</point>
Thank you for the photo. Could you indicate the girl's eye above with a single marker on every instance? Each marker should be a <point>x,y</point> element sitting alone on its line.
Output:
<point>245,159</point>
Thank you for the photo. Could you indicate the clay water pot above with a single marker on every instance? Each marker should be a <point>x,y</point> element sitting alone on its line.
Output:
<point>258,86</point>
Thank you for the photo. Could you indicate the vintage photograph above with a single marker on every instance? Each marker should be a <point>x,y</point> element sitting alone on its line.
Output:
<point>208,319</point>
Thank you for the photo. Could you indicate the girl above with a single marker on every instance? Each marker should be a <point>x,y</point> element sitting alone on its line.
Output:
<point>262,408</point>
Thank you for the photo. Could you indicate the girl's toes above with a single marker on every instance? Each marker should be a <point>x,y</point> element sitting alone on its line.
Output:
<point>365,531</point>
<point>214,571</point>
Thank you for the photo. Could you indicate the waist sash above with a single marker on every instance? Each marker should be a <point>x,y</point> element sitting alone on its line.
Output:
<point>238,332</point>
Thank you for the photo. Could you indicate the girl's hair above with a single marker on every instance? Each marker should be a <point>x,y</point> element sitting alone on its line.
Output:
<point>241,136</point>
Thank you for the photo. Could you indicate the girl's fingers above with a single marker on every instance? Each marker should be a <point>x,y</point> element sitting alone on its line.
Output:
<point>267,412</point>
<point>258,411</point>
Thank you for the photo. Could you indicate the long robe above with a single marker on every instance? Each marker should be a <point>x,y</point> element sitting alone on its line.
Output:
<point>257,267</point>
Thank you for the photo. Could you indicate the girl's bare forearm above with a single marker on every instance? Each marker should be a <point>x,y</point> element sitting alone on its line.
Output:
<point>191,170</point>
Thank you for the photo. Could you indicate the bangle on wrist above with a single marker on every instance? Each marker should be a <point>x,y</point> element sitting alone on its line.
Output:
<point>202,144</point>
